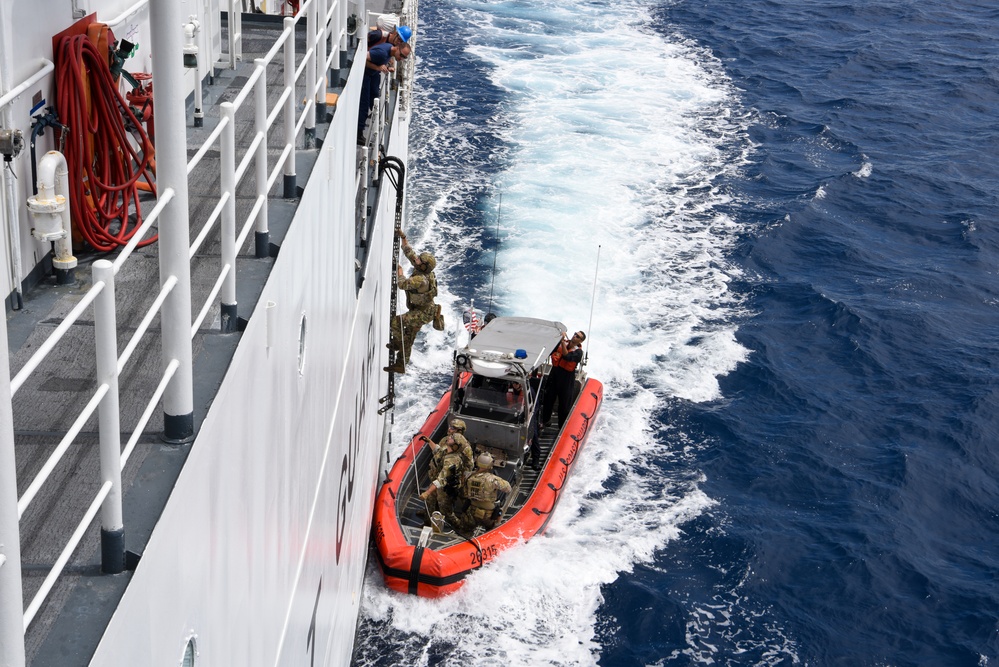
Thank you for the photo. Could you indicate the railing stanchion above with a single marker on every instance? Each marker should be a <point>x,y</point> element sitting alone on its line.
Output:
<point>106,343</point>
<point>234,28</point>
<point>228,250</point>
<point>322,78</point>
<point>261,233</point>
<point>340,42</point>
<point>342,30</point>
<point>167,41</point>
<point>311,76</point>
<point>239,36</point>
<point>362,218</point>
<point>11,611</point>
<point>289,109</point>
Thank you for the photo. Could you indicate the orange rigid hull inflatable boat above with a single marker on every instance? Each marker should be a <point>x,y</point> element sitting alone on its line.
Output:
<point>498,383</point>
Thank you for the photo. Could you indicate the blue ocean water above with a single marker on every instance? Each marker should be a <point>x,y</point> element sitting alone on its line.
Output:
<point>795,205</point>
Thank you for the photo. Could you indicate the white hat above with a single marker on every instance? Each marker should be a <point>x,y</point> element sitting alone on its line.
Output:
<point>387,22</point>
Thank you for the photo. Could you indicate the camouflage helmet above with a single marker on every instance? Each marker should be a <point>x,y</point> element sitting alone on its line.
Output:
<point>485,461</point>
<point>428,262</point>
<point>458,425</point>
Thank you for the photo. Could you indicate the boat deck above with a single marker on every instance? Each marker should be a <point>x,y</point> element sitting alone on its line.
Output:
<point>412,522</point>
<point>71,622</point>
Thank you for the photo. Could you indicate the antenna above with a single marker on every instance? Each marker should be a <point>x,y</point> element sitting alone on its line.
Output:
<point>593,302</point>
<point>499,214</point>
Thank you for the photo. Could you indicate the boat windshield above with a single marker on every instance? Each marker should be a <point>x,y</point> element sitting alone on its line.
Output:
<point>493,398</point>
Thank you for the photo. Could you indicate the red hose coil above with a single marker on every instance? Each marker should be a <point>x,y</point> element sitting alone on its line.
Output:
<point>104,168</point>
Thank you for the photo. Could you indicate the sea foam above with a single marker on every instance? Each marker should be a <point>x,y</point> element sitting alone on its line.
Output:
<point>605,136</point>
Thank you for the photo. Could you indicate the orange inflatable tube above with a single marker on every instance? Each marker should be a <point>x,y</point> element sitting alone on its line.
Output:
<point>429,573</point>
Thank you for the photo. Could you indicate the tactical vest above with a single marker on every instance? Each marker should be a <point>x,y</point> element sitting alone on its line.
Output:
<point>481,490</point>
<point>424,295</point>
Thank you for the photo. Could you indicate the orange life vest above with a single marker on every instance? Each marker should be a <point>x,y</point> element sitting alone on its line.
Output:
<point>565,365</point>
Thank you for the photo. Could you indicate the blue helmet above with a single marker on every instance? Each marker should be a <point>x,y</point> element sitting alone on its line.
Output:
<point>405,32</point>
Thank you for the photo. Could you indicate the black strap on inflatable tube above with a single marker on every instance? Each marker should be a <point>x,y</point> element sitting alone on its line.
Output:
<point>407,575</point>
<point>565,478</point>
<point>554,501</point>
<point>414,570</point>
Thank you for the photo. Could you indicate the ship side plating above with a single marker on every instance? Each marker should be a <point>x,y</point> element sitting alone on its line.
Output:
<point>258,555</point>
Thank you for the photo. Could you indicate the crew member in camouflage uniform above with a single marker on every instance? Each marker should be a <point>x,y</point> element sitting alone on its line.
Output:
<point>441,493</point>
<point>420,288</point>
<point>456,432</point>
<point>482,488</point>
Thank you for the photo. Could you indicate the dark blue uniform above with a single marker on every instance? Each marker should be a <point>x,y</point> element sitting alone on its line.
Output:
<point>560,384</point>
<point>371,84</point>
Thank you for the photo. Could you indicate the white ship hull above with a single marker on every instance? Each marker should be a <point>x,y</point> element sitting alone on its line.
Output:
<point>267,527</point>
<point>258,556</point>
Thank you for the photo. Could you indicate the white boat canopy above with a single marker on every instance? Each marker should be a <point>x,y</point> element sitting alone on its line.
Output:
<point>507,342</point>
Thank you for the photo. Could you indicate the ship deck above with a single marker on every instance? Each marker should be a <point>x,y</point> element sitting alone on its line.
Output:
<point>72,621</point>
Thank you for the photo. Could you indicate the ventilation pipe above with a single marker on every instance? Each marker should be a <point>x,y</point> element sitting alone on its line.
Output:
<point>51,214</point>
<point>191,30</point>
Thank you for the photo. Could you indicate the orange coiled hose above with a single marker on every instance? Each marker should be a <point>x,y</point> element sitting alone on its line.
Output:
<point>104,168</point>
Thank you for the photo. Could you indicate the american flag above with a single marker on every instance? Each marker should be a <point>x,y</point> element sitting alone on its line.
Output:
<point>471,321</point>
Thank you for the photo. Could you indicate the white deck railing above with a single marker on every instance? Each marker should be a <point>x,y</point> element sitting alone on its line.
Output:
<point>101,295</point>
